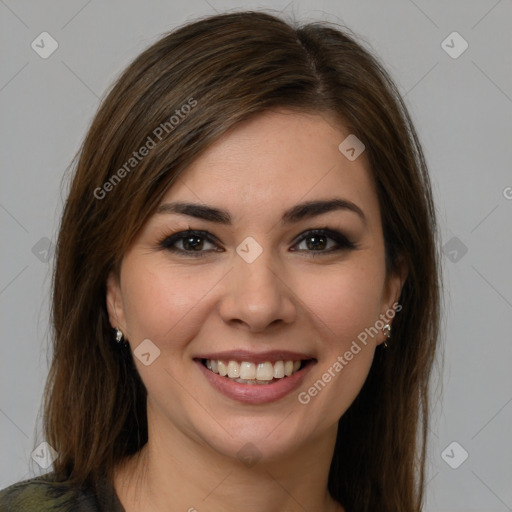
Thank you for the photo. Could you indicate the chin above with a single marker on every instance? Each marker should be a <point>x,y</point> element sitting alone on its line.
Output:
<point>268,439</point>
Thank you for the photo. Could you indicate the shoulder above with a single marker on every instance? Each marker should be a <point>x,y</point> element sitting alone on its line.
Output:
<point>44,494</point>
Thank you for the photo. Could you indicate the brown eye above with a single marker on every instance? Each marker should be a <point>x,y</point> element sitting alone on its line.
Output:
<point>189,242</point>
<point>317,242</point>
<point>324,241</point>
<point>192,242</point>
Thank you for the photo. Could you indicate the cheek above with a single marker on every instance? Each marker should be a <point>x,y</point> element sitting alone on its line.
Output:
<point>342,302</point>
<point>162,303</point>
<point>342,305</point>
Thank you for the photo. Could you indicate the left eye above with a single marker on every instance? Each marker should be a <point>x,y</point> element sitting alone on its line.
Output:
<point>317,242</point>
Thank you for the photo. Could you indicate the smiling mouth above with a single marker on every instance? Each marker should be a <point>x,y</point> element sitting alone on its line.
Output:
<point>246,372</point>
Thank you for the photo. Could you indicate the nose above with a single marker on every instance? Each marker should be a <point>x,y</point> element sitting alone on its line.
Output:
<point>257,295</point>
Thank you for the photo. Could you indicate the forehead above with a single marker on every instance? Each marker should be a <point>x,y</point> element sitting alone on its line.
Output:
<point>274,160</point>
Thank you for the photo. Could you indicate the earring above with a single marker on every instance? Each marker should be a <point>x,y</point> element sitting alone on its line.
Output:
<point>119,336</point>
<point>387,333</point>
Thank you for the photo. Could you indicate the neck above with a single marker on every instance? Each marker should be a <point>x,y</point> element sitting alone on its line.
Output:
<point>173,471</point>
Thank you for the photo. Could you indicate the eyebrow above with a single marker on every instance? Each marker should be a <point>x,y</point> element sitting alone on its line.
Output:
<point>297,213</point>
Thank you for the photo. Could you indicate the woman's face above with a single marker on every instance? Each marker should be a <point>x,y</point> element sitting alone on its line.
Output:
<point>256,285</point>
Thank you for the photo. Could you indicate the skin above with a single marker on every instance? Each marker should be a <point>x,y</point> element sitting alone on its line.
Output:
<point>304,300</point>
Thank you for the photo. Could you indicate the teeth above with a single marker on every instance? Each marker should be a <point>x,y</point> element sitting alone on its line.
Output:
<point>264,371</point>
<point>279,370</point>
<point>233,370</point>
<point>251,373</point>
<point>221,368</point>
<point>247,371</point>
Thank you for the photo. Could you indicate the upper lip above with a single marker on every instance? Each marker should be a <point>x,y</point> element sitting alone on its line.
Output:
<point>255,357</point>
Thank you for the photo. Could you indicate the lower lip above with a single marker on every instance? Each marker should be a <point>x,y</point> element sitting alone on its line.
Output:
<point>255,393</point>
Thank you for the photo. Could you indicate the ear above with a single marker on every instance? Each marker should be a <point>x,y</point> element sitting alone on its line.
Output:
<point>392,290</point>
<point>114,300</point>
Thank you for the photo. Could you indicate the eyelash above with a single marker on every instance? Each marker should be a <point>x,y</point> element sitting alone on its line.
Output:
<point>343,243</point>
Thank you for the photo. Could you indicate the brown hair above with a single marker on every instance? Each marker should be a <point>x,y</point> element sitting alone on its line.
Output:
<point>227,68</point>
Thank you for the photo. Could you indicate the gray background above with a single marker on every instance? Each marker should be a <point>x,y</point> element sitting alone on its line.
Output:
<point>462,109</point>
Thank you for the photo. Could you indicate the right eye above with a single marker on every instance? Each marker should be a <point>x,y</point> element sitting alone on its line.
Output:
<point>192,243</point>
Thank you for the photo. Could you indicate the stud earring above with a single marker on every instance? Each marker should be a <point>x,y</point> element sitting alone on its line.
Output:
<point>119,336</point>
<point>387,333</point>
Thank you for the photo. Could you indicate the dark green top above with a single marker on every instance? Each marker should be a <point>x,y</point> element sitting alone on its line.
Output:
<point>46,494</point>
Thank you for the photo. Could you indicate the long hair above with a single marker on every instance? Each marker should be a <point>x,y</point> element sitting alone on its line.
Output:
<point>176,99</point>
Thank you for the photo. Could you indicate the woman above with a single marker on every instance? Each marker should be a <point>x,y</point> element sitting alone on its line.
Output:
<point>246,290</point>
